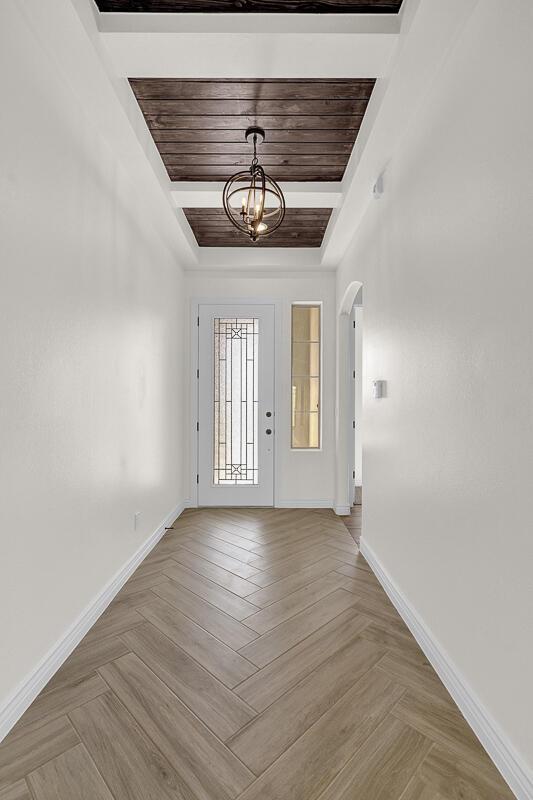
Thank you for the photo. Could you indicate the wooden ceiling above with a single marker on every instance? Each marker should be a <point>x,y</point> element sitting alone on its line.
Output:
<point>254,6</point>
<point>199,125</point>
<point>302,227</point>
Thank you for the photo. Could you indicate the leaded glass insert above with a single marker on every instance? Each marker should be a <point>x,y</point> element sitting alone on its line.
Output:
<point>235,423</point>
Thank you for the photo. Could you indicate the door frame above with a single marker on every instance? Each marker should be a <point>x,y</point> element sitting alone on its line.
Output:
<point>343,411</point>
<point>356,370</point>
<point>194,367</point>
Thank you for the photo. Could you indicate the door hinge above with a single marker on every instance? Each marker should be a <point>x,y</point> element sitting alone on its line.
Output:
<point>354,323</point>
<point>353,374</point>
<point>197,426</point>
<point>353,474</point>
<point>353,424</point>
<point>198,321</point>
<point>197,479</point>
<point>198,373</point>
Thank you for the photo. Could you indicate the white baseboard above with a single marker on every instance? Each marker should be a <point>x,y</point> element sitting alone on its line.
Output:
<point>343,511</point>
<point>507,761</point>
<point>304,504</point>
<point>30,687</point>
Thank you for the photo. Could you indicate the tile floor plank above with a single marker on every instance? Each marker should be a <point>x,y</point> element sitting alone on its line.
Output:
<point>276,613</point>
<point>123,753</point>
<point>57,702</point>
<point>383,767</point>
<point>218,707</point>
<point>209,768</point>
<point>21,752</point>
<point>142,582</point>
<point>85,659</point>
<point>270,594</point>
<point>17,791</point>
<point>394,639</point>
<point>70,776</point>
<point>269,683</point>
<point>271,733</point>
<point>281,567</point>
<point>228,536</point>
<point>284,636</point>
<point>418,677</point>
<point>230,563</point>
<point>311,763</point>
<point>246,556</point>
<point>217,595</point>
<point>219,575</point>
<point>273,552</point>
<point>442,722</point>
<point>455,777</point>
<point>215,656</point>
<point>229,630</point>
<point>417,789</point>
<point>113,622</point>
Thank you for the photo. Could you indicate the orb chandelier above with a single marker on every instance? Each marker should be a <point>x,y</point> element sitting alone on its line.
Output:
<point>253,201</point>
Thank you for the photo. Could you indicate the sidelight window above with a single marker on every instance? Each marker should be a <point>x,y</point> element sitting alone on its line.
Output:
<point>305,374</point>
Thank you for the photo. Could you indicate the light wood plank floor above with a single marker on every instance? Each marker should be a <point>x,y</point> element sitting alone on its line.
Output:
<point>353,523</point>
<point>253,655</point>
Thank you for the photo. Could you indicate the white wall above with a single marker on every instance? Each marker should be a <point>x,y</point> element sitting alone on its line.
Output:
<point>445,258</point>
<point>91,354</point>
<point>304,477</point>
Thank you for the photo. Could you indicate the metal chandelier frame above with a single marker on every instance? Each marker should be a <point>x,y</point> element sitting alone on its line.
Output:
<point>254,217</point>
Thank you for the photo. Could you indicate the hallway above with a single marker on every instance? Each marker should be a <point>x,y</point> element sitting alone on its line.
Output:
<point>252,655</point>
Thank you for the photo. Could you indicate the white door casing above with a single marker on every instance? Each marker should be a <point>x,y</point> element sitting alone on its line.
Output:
<point>236,404</point>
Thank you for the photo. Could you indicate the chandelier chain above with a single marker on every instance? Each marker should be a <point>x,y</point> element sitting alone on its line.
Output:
<point>255,160</point>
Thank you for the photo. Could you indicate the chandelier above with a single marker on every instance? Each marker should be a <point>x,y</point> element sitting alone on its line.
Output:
<point>253,201</point>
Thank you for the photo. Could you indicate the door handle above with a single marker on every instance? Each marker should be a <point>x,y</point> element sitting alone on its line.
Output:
<point>268,431</point>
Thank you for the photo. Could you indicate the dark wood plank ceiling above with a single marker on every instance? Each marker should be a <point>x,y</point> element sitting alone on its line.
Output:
<point>199,125</point>
<point>302,227</point>
<point>254,6</point>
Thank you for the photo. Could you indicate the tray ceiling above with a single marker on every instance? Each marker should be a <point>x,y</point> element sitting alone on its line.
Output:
<point>302,227</point>
<point>198,125</point>
<point>254,6</point>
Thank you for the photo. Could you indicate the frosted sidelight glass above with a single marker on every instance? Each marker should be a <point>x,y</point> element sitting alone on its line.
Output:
<point>305,374</point>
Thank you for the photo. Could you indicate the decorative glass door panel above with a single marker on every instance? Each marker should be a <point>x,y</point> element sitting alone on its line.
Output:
<point>235,405</point>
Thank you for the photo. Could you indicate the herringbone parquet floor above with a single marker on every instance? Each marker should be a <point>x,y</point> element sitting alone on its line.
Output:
<point>253,655</point>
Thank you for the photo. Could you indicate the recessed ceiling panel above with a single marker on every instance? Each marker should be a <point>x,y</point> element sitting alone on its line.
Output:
<point>199,125</point>
<point>302,227</point>
<point>254,6</point>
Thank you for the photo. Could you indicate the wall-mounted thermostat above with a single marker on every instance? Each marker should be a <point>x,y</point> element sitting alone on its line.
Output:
<point>378,389</point>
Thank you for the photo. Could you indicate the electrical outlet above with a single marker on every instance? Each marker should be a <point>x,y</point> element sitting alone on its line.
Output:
<point>136,518</point>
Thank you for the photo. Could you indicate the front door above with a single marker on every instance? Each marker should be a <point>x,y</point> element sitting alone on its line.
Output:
<point>236,405</point>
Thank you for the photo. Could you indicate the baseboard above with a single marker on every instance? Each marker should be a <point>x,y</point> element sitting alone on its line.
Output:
<point>343,511</point>
<point>505,758</point>
<point>304,504</point>
<point>30,687</point>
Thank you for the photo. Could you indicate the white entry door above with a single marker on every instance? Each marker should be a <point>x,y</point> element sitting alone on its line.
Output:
<point>236,405</point>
